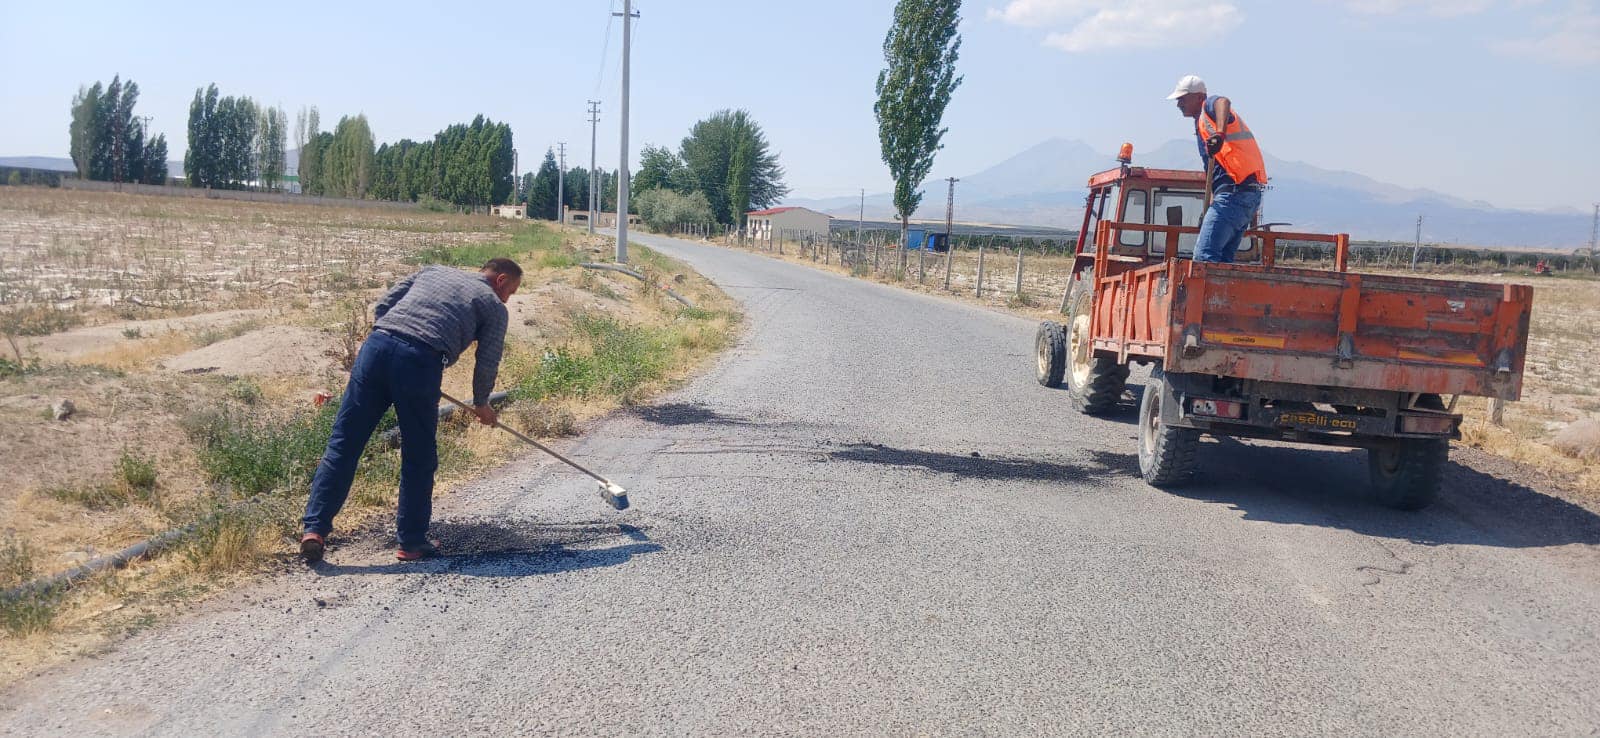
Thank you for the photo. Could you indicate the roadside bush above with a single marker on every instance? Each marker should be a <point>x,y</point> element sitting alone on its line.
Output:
<point>38,320</point>
<point>662,208</point>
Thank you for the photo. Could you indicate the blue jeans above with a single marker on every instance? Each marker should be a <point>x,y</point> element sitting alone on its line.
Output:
<point>1224,225</point>
<point>388,371</point>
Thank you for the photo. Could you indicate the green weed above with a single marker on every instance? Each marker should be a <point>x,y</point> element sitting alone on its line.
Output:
<point>30,611</point>
<point>255,456</point>
<point>610,359</point>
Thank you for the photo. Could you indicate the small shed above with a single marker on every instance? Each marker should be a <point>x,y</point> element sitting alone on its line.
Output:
<point>786,223</point>
<point>510,211</point>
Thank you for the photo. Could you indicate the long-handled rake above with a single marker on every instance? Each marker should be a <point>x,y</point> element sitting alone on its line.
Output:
<point>610,491</point>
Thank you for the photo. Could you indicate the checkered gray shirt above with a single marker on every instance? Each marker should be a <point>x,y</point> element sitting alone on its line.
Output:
<point>448,309</point>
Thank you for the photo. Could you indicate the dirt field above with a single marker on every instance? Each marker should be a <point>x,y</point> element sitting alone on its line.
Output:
<point>1554,429</point>
<point>192,336</point>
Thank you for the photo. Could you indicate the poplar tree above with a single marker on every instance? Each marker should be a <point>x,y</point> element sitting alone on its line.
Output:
<point>919,53</point>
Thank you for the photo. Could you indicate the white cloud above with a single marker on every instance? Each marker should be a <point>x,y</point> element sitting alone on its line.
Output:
<point>1440,8</point>
<point>1094,25</point>
<point>1572,37</point>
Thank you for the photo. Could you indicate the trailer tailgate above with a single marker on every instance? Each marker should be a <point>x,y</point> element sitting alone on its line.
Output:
<point>1348,330</point>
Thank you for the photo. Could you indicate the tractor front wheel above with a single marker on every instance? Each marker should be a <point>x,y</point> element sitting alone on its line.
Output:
<point>1050,344</point>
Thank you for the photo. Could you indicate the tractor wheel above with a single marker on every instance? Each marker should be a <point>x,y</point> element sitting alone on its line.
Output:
<point>1166,454</point>
<point>1050,344</point>
<point>1406,476</point>
<point>1095,382</point>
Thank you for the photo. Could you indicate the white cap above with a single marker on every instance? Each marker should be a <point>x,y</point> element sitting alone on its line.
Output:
<point>1188,84</point>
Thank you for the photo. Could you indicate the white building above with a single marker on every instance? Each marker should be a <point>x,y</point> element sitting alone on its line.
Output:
<point>510,211</point>
<point>786,223</point>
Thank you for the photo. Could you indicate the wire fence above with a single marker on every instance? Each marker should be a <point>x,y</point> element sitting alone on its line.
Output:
<point>1018,271</point>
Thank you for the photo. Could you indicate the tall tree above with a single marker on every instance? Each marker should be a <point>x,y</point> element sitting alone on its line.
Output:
<point>309,168</point>
<point>84,131</point>
<point>542,191</point>
<point>660,168</point>
<point>919,53</point>
<point>222,135</point>
<point>728,158</point>
<point>347,162</point>
<point>155,161</point>
<point>271,146</point>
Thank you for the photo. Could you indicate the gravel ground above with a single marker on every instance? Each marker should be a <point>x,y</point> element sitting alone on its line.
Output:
<point>868,518</point>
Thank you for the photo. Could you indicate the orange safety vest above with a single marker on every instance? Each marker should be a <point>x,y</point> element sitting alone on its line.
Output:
<point>1240,156</point>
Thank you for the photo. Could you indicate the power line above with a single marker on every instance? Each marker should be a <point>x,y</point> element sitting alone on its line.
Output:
<point>605,48</point>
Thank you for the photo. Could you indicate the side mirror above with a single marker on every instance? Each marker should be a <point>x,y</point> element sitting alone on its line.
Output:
<point>1175,215</point>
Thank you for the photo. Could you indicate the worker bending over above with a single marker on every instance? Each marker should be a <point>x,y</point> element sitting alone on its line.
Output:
<point>1235,171</point>
<point>423,325</point>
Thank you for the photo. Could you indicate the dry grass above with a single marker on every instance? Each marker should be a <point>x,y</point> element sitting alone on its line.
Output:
<point>193,274</point>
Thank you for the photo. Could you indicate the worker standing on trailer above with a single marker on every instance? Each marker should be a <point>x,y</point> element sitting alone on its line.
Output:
<point>422,326</point>
<point>1235,170</point>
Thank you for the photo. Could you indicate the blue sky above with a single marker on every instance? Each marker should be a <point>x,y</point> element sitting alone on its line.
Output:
<point>1485,99</point>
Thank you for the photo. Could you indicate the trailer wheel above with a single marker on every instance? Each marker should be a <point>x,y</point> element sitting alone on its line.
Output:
<point>1407,476</point>
<point>1095,382</point>
<point>1050,343</point>
<point>1166,453</point>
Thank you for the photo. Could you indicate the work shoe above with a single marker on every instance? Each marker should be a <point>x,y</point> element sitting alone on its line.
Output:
<point>312,547</point>
<point>418,551</point>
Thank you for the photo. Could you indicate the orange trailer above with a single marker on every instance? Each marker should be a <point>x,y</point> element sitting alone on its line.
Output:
<point>1253,349</point>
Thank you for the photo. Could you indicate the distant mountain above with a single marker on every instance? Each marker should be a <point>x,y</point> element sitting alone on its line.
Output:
<point>63,164</point>
<point>48,163</point>
<point>1044,185</point>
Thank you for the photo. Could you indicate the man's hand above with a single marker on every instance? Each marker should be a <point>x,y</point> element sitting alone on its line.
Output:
<point>486,414</point>
<point>1214,144</point>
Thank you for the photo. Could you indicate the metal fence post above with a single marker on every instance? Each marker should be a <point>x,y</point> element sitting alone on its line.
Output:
<point>922,252</point>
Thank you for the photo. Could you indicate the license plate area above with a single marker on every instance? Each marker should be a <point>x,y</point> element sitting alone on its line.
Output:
<point>1317,421</point>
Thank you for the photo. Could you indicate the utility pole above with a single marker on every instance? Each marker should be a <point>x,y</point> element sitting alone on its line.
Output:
<point>1417,249</point>
<point>561,183</point>
<point>622,161</point>
<point>861,218</point>
<point>949,222</point>
<point>516,174</point>
<point>594,118</point>
<point>1594,233</point>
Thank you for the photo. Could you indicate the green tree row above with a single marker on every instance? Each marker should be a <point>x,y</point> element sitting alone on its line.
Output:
<point>234,143</point>
<point>108,142</point>
<point>466,165</point>
<point>539,189</point>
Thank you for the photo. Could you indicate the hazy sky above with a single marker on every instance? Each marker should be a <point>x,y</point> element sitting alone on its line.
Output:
<point>1485,99</point>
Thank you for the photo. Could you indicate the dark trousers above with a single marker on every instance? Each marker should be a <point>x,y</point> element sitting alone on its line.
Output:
<point>388,371</point>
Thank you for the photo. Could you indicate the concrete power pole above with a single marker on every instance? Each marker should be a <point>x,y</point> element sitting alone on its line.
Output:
<point>1594,233</point>
<point>594,119</point>
<point>1417,249</point>
<point>949,222</point>
<point>861,217</point>
<point>622,161</point>
<point>561,183</point>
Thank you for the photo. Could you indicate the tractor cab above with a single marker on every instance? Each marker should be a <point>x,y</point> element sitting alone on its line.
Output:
<point>1141,196</point>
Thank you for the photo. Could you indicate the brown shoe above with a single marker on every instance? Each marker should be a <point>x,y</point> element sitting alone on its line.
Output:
<point>418,551</point>
<point>312,547</point>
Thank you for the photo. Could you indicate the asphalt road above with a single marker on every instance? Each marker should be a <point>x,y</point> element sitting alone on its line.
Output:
<point>868,518</point>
